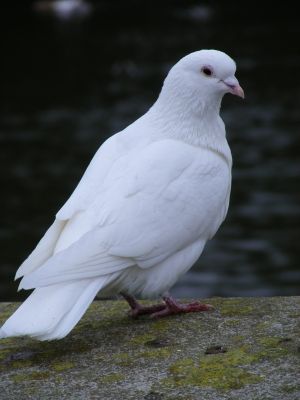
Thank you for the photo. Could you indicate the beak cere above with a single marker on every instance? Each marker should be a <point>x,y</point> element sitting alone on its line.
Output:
<point>234,87</point>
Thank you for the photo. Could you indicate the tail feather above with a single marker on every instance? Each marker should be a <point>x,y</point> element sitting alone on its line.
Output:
<point>43,250</point>
<point>67,323</point>
<point>51,312</point>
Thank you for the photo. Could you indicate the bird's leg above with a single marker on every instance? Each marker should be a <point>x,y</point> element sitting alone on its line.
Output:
<point>138,309</point>
<point>173,307</point>
<point>170,307</point>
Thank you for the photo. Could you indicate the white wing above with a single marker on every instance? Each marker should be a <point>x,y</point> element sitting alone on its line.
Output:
<point>78,201</point>
<point>94,175</point>
<point>150,206</point>
<point>112,149</point>
<point>89,186</point>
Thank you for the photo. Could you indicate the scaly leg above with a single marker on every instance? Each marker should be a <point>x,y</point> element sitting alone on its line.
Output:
<point>138,309</point>
<point>170,307</point>
<point>173,307</point>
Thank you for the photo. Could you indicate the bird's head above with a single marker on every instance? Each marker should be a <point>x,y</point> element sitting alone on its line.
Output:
<point>205,75</point>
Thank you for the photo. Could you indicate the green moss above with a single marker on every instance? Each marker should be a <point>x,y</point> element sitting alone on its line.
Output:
<point>114,344</point>
<point>271,347</point>
<point>109,315</point>
<point>156,353</point>
<point>269,341</point>
<point>112,378</point>
<point>228,370</point>
<point>234,307</point>
<point>238,338</point>
<point>7,311</point>
<point>122,356</point>
<point>62,366</point>
<point>142,339</point>
<point>123,359</point>
<point>34,376</point>
<point>106,310</point>
<point>19,378</point>
<point>52,352</point>
<point>232,322</point>
<point>262,325</point>
<point>8,341</point>
<point>8,361</point>
<point>4,353</point>
<point>290,388</point>
<point>294,315</point>
<point>18,364</point>
<point>220,371</point>
<point>225,378</point>
<point>160,325</point>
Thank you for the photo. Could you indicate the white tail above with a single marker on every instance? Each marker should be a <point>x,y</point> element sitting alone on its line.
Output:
<point>51,312</point>
<point>43,250</point>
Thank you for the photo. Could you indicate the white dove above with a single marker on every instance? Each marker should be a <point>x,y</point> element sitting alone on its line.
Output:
<point>151,198</point>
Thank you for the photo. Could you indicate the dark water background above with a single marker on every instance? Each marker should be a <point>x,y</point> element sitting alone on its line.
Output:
<point>67,85</point>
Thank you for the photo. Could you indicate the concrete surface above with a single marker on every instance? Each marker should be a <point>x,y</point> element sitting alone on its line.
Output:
<point>248,348</point>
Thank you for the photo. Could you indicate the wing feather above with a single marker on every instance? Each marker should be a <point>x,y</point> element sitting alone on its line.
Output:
<point>158,203</point>
<point>43,250</point>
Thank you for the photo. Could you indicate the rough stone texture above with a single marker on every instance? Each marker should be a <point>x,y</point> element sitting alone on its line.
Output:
<point>248,348</point>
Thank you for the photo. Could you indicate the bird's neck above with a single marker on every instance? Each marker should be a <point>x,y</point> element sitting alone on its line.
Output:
<point>190,118</point>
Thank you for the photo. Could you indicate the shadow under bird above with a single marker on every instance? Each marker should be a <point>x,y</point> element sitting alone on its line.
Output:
<point>151,198</point>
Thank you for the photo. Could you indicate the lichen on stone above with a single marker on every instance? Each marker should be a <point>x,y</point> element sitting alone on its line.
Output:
<point>220,371</point>
<point>34,376</point>
<point>110,354</point>
<point>112,378</point>
<point>62,366</point>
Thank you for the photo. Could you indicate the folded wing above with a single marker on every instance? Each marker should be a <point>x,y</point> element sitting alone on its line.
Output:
<point>149,207</point>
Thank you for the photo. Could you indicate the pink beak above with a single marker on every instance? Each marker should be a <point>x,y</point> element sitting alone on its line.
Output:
<point>234,87</point>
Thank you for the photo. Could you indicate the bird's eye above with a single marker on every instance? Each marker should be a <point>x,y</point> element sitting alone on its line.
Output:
<point>207,71</point>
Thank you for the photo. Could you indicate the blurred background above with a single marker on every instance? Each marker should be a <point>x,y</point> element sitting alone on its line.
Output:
<point>75,72</point>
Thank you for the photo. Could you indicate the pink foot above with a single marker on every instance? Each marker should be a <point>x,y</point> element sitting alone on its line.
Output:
<point>170,307</point>
<point>173,307</point>
<point>138,309</point>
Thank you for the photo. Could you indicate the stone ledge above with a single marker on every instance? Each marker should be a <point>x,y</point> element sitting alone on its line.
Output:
<point>249,348</point>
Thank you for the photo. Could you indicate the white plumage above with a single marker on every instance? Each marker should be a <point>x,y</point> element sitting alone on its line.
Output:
<point>145,207</point>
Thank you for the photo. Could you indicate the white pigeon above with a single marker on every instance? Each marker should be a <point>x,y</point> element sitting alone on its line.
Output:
<point>151,198</point>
